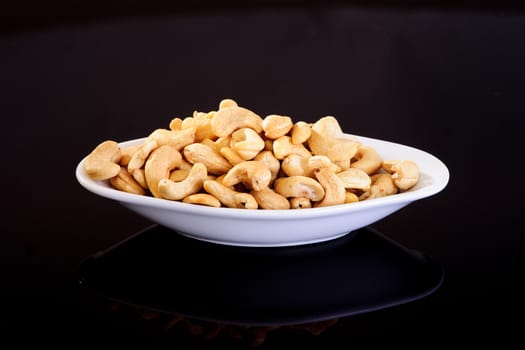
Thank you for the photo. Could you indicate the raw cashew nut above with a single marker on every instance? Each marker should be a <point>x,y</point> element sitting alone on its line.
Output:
<point>275,126</point>
<point>229,197</point>
<point>202,199</point>
<point>405,173</point>
<point>127,153</point>
<point>316,162</point>
<point>333,186</point>
<point>190,185</point>
<point>382,185</point>
<point>158,166</point>
<point>252,173</point>
<point>125,182</point>
<point>295,164</point>
<point>271,162</point>
<point>201,153</point>
<point>337,149</point>
<point>355,178</point>
<point>269,199</point>
<point>102,162</point>
<point>247,143</point>
<point>177,139</point>
<point>228,119</point>
<point>301,132</point>
<point>139,157</point>
<point>283,147</point>
<point>368,160</point>
<point>299,186</point>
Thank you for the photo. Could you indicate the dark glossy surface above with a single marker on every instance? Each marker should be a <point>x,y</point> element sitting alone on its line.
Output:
<point>161,270</point>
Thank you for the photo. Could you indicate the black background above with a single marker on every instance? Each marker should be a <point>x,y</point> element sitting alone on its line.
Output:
<point>445,78</point>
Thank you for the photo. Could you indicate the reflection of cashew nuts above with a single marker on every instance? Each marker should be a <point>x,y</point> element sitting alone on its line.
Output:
<point>299,186</point>
<point>125,182</point>
<point>201,153</point>
<point>102,162</point>
<point>229,197</point>
<point>190,185</point>
<point>368,160</point>
<point>275,126</point>
<point>228,119</point>
<point>202,199</point>
<point>405,173</point>
<point>355,178</point>
<point>247,143</point>
<point>158,166</point>
<point>252,173</point>
<point>269,199</point>
<point>333,186</point>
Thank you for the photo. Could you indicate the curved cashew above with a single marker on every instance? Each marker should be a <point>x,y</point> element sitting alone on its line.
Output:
<point>382,185</point>
<point>246,142</point>
<point>102,162</point>
<point>301,132</point>
<point>405,173</point>
<point>139,157</point>
<point>140,176</point>
<point>294,164</point>
<point>300,203</point>
<point>337,149</point>
<point>202,199</point>
<point>252,173</point>
<point>201,153</point>
<point>125,182</point>
<point>269,199</point>
<point>283,147</point>
<point>190,185</point>
<point>158,166</point>
<point>177,139</point>
<point>368,160</point>
<point>299,186</point>
<point>355,178</point>
<point>333,186</point>
<point>228,119</point>
<point>271,162</point>
<point>316,162</point>
<point>229,197</point>
<point>275,126</point>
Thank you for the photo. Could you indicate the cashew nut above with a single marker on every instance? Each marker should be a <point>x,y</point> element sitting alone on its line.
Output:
<point>301,132</point>
<point>246,142</point>
<point>200,153</point>
<point>337,149</point>
<point>405,173</point>
<point>228,119</point>
<point>294,164</point>
<point>102,162</point>
<point>158,166</point>
<point>177,139</point>
<point>252,173</point>
<point>300,203</point>
<point>139,157</point>
<point>271,162</point>
<point>316,162</point>
<point>227,102</point>
<point>140,176</point>
<point>333,186</point>
<point>275,126</point>
<point>269,199</point>
<point>229,197</point>
<point>382,185</point>
<point>355,178</point>
<point>230,154</point>
<point>283,147</point>
<point>368,160</point>
<point>190,185</point>
<point>202,199</point>
<point>125,182</point>
<point>127,153</point>
<point>299,186</point>
<point>351,197</point>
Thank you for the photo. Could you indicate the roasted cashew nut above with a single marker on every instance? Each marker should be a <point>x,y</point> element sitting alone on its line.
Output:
<point>294,165</point>
<point>333,186</point>
<point>229,197</point>
<point>125,182</point>
<point>337,149</point>
<point>269,199</point>
<point>201,153</point>
<point>271,162</point>
<point>228,119</point>
<point>190,185</point>
<point>283,147</point>
<point>300,203</point>
<point>299,186</point>
<point>382,185</point>
<point>368,160</point>
<point>102,162</point>
<point>252,173</point>
<point>202,199</point>
<point>355,178</point>
<point>275,126</point>
<point>405,173</point>
<point>158,166</point>
<point>246,143</point>
<point>301,132</point>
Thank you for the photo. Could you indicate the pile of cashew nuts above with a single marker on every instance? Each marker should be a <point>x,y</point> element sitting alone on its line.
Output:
<point>234,158</point>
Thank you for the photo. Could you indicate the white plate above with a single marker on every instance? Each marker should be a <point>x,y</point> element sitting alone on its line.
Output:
<point>271,228</point>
